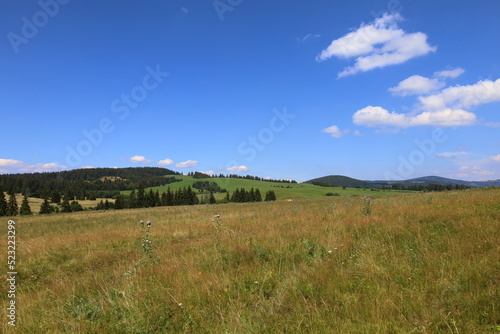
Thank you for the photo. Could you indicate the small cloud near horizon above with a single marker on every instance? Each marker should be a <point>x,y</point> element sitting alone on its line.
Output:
<point>187,164</point>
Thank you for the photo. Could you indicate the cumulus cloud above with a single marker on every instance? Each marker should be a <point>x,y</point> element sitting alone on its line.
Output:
<point>495,158</point>
<point>237,169</point>
<point>17,166</point>
<point>376,45</point>
<point>139,159</point>
<point>208,172</point>
<point>187,164</point>
<point>450,73</point>
<point>166,162</point>
<point>416,85</point>
<point>485,91</point>
<point>376,116</point>
<point>335,131</point>
<point>447,107</point>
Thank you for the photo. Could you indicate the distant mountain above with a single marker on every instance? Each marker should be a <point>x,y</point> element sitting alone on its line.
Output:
<point>344,181</point>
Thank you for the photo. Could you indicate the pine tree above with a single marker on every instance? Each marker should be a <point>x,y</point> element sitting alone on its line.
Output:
<point>228,199</point>
<point>258,196</point>
<point>212,199</point>
<point>270,196</point>
<point>120,202</point>
<point>132,200</point>
<point>65,206</point>
<point>46,208</point>
<point>157,198</point>
<point>164,199</point>
<point>3,204</point>
<point>75,206</point>
<point>141,197</point>
<point>251,195</point>
<point>169,197</point>
<point>12,208</point>
<point>25,206</point>
<point>55,197</point>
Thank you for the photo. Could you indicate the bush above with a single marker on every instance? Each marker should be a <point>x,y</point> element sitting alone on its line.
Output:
<point>332,194</point>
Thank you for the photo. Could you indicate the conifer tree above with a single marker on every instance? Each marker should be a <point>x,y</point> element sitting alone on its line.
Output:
<point>212,199</point>
<point>25,206</point>
<point>65,206</point>
<point>3,204</point>
<point>258,196</point>
<point>120,202</point>
<point>12,208</point>
<point>251,195</point>
<point>55,197</point>
<point>157,198</point>
<point>141,197</point>
<point>169,198</point>
<point>46,208</point>
<point>75,206</point>
<point>132,199</point>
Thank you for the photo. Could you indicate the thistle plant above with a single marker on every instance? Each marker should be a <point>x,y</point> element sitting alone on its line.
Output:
<point>147,247</point>
<point>367,205</point>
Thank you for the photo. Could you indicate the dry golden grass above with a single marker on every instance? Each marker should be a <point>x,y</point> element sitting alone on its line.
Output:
<point>420,263</point>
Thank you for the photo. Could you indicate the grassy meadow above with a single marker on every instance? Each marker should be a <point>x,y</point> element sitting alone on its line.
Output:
<point>406,263</point>
<point>294,190</point>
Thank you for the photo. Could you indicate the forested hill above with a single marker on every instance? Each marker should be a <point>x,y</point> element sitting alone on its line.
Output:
<point>86,182</point>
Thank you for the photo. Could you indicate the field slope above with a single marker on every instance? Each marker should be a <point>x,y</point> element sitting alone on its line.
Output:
<point>282,190</point>
<point>408,263</point>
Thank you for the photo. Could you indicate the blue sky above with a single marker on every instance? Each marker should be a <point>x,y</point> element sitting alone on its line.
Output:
<point>369,89</point>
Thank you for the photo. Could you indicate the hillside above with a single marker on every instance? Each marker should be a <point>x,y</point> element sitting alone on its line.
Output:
<point>86,182</point>
<point>282,190</point>
<point>340,180</point>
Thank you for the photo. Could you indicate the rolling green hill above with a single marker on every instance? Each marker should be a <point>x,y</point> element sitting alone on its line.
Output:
<point>294,190</point>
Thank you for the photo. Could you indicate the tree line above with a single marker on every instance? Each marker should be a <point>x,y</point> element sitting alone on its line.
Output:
<point>88,183</point>
<point>136,199</point>
<point>198,175</point>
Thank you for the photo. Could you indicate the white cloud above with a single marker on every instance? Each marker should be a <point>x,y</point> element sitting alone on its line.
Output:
<point>136,159</point>
<point>495,158</point>
<point>450,73</point>
<point>416,85</point>
<point>187,164</point>
<point>166,162</point>
<point>237,169</point>
<point>308,36</point>
<point>335,131</point>
<point>357,133</point>
<point>208,172</point>
<point>485,91</point>
<point>451,155</point>
<point>375,116</point>
<point>376,45</point>
<point>10,162</point>
<point>17,166</point>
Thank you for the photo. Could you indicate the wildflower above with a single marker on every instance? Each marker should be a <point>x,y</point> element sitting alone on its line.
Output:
<point>217,215</point>
<point>148,223</point>
<point>255,282</point>
<point>142,222</point>
<point>180,304</point>
<point>330,252</point>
